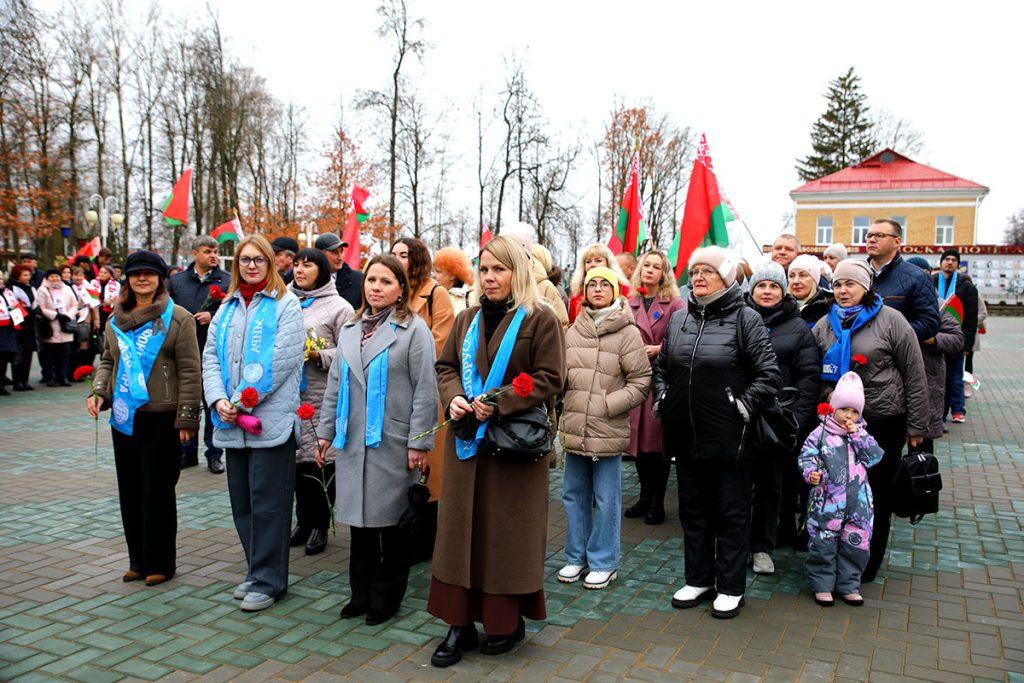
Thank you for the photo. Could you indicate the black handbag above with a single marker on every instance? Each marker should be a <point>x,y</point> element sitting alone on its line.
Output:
<point>775,428</point>
<point>915,489</point>
<point>44,330</point>
<point>67,324</point>
<point>523,437</point>
<point>413,518</point>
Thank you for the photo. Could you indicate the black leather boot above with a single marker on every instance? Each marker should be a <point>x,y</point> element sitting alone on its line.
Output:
<point>317,542</point>
<point>300,536</point>
<point>643,503</point>
<point>459,639</point>
<point>659,471</point>
<point>496,645</point>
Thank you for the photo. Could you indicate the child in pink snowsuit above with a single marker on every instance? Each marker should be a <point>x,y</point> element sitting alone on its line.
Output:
<point>834,460</point>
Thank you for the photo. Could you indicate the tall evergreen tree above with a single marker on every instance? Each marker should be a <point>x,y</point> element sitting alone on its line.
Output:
<point>844,133</point>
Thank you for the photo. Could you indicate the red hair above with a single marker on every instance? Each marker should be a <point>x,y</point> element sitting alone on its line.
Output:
<point>456,262</point>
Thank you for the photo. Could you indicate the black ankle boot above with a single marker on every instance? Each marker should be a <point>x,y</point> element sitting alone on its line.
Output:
<point>459,639</point>
<point>640,507</point>
<point>496,645</point>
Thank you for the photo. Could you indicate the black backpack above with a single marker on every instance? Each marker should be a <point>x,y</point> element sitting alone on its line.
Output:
<point>915,490</point>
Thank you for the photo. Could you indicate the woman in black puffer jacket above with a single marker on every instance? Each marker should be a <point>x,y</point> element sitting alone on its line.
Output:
<point>776,477</point>
<point>706,392</point>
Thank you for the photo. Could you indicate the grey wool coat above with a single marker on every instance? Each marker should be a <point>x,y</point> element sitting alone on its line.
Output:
<point>372,483</point>
<point>276,409</point>
<point>323,318</point>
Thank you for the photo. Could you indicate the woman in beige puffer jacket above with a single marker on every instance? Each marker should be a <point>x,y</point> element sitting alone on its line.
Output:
<point>608,375</point>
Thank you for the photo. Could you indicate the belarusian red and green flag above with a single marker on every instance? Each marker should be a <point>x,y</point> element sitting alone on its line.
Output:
<point>630,232</point>
<point>705,216</point>
<point>175,209</point>
<point>90,249</point>
<point>356,216</point>
<point>955,308</point>
<point>231,230</point>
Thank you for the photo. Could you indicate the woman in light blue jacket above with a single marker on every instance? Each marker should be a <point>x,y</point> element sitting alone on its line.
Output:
<point>256,341</point>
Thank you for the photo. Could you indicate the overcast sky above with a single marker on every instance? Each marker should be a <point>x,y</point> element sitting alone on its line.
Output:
<point>750,75</point>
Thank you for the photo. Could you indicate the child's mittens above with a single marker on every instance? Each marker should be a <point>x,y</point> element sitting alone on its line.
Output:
<point>813,477</point>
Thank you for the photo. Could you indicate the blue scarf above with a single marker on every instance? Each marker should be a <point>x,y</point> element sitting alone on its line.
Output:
<point>303,383</point>
<point>139,349</point>
<point>836,362</point>
<point>376,401</point>
<point>472,383</point>
<point>257,356</point>
<point>946,289</point>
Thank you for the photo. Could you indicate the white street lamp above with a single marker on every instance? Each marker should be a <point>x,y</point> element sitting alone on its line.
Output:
<point>308,231</point>
<point>106,215</point>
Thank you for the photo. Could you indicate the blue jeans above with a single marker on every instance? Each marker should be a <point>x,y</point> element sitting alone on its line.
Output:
<point>592,496</point>
<point>955,383</point>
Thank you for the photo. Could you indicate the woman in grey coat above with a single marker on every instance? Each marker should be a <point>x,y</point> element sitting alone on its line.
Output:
<point>381,395</point>
<point>324,313</point>
<point>256,342</point>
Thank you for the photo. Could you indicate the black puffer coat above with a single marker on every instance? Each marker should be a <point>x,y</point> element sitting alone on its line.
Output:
<point>817,308</point>
<point>799,358</point>
<point>700,375</point>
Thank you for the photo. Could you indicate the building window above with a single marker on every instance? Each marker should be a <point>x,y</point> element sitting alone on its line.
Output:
<point>860,229</point>
<point>943,230</point>
<point>824,235</point>
<point>902,220</point>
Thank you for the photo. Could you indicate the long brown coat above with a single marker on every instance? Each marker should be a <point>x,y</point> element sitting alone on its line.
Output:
<point>492,526</point>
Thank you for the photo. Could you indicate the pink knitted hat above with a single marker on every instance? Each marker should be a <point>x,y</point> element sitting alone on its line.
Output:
<point>849,393</point>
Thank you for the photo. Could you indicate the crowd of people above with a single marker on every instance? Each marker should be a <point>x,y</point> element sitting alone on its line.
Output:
<point>340,393</point>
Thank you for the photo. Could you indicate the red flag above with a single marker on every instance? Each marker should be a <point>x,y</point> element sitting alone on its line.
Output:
<point>358,214</point>
<point>176,208</point>
<point>89,250</point>
<point>485,237</point>
<point>705,215</point>
<point>630,232</point>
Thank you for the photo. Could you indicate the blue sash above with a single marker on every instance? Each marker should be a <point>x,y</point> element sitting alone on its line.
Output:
<point>303,383</point>
<point>139,349</point>
<point>836,362</point>
<point>946,289</point>
<point>376,394</point>
<point>258,355</point>
<point>472,383</point>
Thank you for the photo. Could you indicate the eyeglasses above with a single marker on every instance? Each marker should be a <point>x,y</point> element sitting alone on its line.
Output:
<point>702,272</point>
<point>599,285</point>
<point>879,235</point>
<point>258,261</point>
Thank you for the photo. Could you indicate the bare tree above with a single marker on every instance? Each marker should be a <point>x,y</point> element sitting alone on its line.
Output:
<point>897,134</point>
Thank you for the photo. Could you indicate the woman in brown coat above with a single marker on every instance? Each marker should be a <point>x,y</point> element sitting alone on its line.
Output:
<point>608,375</point>
<point>492,530</point>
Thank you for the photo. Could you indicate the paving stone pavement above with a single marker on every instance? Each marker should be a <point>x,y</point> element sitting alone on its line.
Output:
<point>947,608</point>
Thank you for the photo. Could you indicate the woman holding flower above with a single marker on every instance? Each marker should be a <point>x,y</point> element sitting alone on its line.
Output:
<point>655,298</point>
<point>252,368</point>
<point>876,341</point>
<point>378,408</point>
<point>324,313</point>
<point>150,376</point>
<point>492,528</point>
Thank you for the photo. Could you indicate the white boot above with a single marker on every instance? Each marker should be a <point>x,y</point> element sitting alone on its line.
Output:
<point>763,563</point>
<point>599,580</point>
<point>571,573</point>
<point>691,596</point>
<point>726,606</point>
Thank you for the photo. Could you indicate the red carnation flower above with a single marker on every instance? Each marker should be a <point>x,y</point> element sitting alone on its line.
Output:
<point>859,359</point>
<point>642,291</point>
<point>825,409</point>
<point>216,293</point>
<point>82,372</point>
<point>306,411</point>
<point>522,385</point>
<point>250,397</point>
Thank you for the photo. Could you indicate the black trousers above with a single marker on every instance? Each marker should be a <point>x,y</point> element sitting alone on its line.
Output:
<point>148,465</point>
<point>311,508</point>
<point>969,362</point>
<point>378,567</point>
<point>22,365</point>
<point>652,469</point>
<point>54,358</point>
<point>891,435</point>
<point>714,508</point>
<point>764,510</point>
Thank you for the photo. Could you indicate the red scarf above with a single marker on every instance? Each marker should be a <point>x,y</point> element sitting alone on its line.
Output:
<point>249,291</point>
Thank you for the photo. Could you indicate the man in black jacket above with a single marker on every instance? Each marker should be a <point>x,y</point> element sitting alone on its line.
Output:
<point>285,249</point>
<point>901,285</point>
<point>348,281</point>
<point>190,289</point>
<point>952,283</point>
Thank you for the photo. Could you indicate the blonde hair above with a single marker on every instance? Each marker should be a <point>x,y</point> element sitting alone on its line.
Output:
<point>274,282</point>
<point>541,253</point>
<point>511,254</point>
<point>667,287</point>
<point>595,249</point>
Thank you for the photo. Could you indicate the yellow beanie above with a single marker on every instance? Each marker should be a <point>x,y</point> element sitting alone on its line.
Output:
<point>606,274</point>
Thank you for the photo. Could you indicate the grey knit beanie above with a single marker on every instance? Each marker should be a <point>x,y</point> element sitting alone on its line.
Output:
<point>769,271</point>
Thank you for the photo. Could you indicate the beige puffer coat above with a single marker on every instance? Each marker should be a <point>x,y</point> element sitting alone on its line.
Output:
<point>608,375</point>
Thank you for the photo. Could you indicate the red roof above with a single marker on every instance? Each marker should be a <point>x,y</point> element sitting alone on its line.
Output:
<point>888,170</point>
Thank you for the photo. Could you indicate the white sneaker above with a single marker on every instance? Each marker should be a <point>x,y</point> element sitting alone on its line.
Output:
<point>242,590</point>
<point>254,602</point>
<point>763,563</point>
<point>727,606</point>
<point>599,580</point>
<point>690,596</point>
<point>571,573</point>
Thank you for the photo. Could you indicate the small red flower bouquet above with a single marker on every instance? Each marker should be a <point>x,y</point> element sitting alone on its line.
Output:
<point>213,297</point>
<point>250,424</point>
<point>859,359</point>
<point>306,411</point>
<point>522,384</point>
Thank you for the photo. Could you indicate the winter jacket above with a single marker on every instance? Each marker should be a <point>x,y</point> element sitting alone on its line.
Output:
<point>190,292</point>
<point>608,375</point>
<point>433,303</point>
<point>350,285</point>
<point>373,483</point>
<point>276,409</point>
<point>700,376</point>
<point>174,384</point>
<point>894,379</point>
<point>841,503</point>
<point>797,353</point>
<point>323,318</point>
<point>968,295</point>
<point>548,292</point>
<point>950,339</point>
<point>908,289</point>
<point>817,308</point>
<point>53,302</point>
<point>645,431</point>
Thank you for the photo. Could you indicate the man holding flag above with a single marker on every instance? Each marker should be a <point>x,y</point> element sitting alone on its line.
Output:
<point>959,298</point>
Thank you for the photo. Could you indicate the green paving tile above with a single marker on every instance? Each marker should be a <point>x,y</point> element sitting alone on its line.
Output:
<point>57,646</point>
<point>106,641</point>
<point>66,664</point>
<point>327,648</point>
<point>190,664</point>
<point>144,670</point>
<point>236,658</point>
<point>27,665</point>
